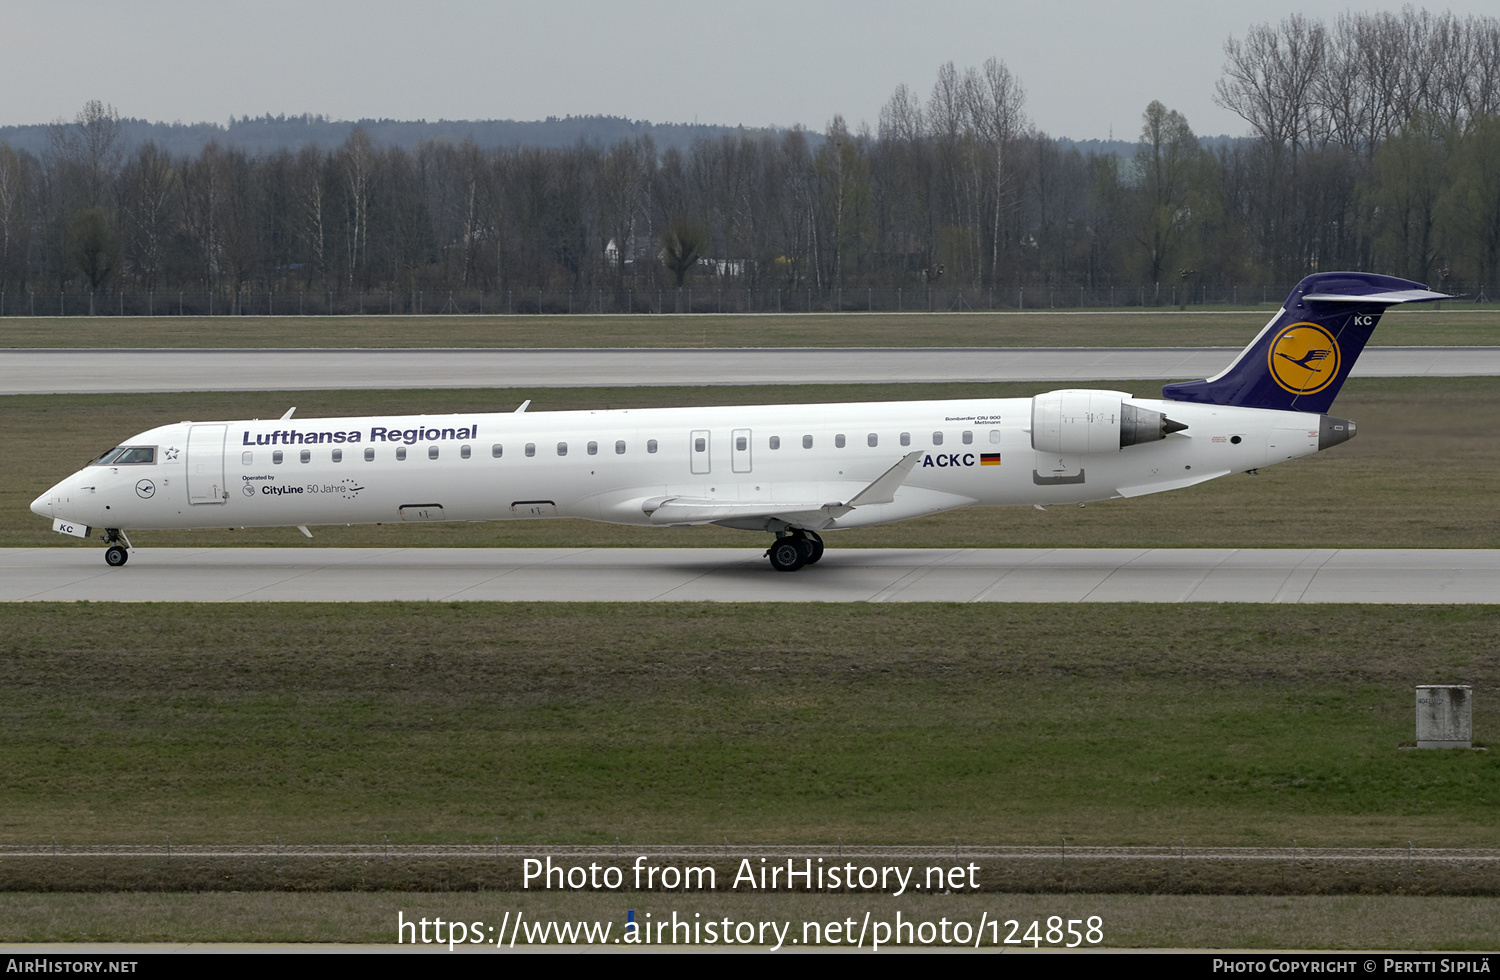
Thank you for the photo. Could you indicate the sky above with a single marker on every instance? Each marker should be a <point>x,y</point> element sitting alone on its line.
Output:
<point>1089,68</point>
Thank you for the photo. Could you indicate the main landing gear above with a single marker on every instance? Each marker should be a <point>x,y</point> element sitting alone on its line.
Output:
<point>116,554</point>
<point>795,548</point>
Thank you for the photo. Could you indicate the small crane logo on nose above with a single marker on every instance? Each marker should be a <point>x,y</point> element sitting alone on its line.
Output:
<point>144,489</point>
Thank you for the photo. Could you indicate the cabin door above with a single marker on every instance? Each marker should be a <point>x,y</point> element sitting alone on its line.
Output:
<point>205,464</point>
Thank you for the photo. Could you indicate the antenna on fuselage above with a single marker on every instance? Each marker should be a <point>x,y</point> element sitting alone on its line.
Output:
<point>523,406</point>
<point>289,412</point>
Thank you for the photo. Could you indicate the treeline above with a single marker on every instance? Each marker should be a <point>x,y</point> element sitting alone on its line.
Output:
<point>1376,145</point>
<point>268,134</point>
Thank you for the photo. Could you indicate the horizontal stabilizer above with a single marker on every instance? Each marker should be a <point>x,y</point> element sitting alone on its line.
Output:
<point>1389,298</point>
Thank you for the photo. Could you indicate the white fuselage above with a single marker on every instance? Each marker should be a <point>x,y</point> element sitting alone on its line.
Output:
<point>757,467</point>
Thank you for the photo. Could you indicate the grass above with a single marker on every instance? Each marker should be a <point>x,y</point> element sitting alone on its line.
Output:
<point>539,724</point>
<point>1420,474</point>
<point>1129,921</point>
<point>1456,324</point>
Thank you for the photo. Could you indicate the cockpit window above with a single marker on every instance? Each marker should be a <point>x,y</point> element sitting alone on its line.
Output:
<point>127,455</point>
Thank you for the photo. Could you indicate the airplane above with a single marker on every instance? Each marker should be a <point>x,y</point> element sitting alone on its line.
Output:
<point>795,471</point>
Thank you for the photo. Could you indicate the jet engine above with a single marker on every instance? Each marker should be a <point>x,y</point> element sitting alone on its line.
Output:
<point>1083,421</point>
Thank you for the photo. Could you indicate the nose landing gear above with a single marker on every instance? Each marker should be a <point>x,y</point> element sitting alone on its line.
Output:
<point>116,554</point>
<point>794,549</point>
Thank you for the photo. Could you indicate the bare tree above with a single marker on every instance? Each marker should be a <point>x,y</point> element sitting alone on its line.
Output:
<point>357,161</point>
<point>901,117</point>
<point>149,190</point>
<point>14,224</point>
<point>621,179</point>
<point>994,98</point>
<point>91,147</point>
<point>1269,79</point>
<point>310,201</point>
<point>202,211</point>
<point>1483,78</point>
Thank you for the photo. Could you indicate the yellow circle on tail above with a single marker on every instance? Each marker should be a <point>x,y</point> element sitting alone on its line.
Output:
<point>1304,358</point>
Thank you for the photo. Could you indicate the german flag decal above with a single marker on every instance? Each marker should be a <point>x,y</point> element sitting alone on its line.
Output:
<point>989,459</point>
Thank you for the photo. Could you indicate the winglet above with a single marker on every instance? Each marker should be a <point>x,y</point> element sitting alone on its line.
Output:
<point>883,490</point>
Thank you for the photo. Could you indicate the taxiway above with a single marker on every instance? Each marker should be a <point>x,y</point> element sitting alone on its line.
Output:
<point>742,575</point>
<point>56,371</point>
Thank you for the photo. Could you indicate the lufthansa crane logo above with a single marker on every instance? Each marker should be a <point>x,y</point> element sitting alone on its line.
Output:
<point>144,489</point>
<point>1304,358</point>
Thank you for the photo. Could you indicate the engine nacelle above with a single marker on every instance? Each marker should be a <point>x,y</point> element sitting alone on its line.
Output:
<point>1083,421</point>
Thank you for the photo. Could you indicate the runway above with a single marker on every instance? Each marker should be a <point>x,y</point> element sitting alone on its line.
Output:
<point>742,575</point>
<point>92,371</point>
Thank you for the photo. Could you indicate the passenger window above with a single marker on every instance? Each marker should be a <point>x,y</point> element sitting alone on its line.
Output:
<point>650,445</point>
<point>906,438</point>
<point>741,443</point>
<point>873,440</point>
<point>531,449</point>
<point>246,458</point>
<point>776,442</point>
<point>699,445</point>
<point>464,452</point>
<point>400,452</point>
<point>620,448</point>
<point>593,448</point>
<point>306,455</point>
<point>937,438</point>
<point>432,452</point>
<point>807,442</point>
<point>497,450</point>
<point>370,455</point>
<point>276,457</point>
<point>995,436</point>
<point>338,455</point>
<point>562,449</point>
<point>968,437</point>
<point>838,441</point>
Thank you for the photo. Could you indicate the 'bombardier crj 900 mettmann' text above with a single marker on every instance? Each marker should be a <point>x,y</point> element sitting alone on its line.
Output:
<point>791,470</point>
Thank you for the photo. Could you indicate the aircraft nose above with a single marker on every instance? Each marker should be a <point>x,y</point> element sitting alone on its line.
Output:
<point>42,506</point>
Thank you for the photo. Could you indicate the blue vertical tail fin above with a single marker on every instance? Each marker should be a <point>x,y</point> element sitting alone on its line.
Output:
<point>1300,359</point>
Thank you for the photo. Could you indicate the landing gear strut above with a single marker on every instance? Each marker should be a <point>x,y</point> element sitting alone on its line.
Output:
<point>116,554</point>
<point>794,549</point>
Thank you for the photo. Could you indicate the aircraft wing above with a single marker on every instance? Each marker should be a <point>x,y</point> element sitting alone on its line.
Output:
<point>701,510</point>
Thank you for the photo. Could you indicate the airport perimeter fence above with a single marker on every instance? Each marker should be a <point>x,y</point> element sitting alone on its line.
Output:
<point>688,300</point>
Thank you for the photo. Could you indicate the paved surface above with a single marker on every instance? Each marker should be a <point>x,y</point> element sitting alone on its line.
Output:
<point>741,574</point>
<point>83,371</point>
